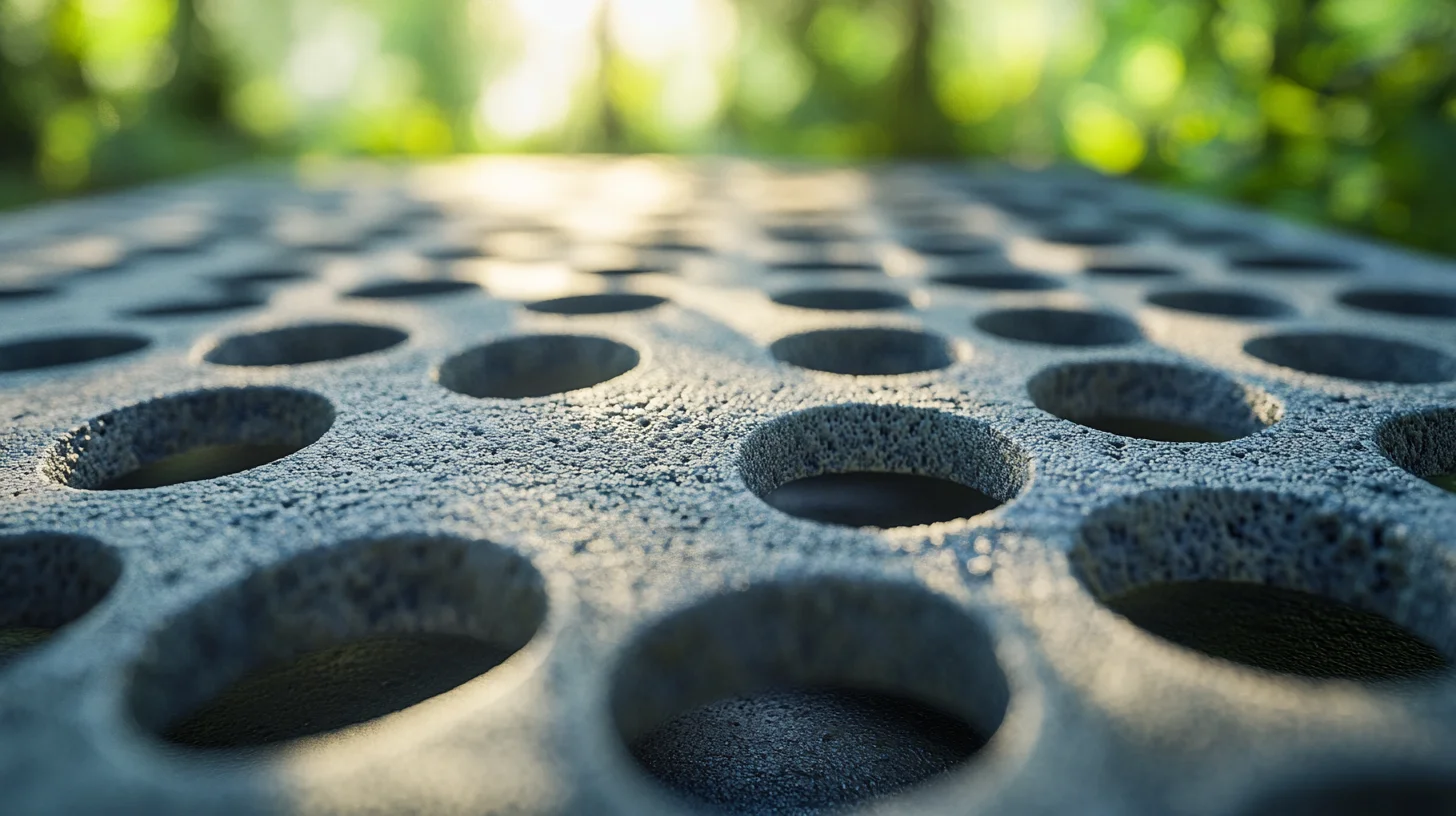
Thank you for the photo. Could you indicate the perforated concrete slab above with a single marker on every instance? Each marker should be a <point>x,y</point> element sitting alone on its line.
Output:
<point>646,486</point>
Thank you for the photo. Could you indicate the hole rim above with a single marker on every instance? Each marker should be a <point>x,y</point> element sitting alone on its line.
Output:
<point>301,344</point>
<point>200,307</point>
<point>867,351</point>
<point>1000,280</point>
<point>989,697</point>
<point>1340,355</point>
<point>469,372</point>
<point>113,445</point>
<point>1201,398</point>
<point>480,569</point>
<point>842,299</point>
<point>598,303</point>
<point>1236,304</point>
<point>54,581</point>
<point>1432,304</point>
<point>1060,327</point>
<point>48,351</point>
<point>921,441</point>
<point>1130,530</point>
<point>404,289</point>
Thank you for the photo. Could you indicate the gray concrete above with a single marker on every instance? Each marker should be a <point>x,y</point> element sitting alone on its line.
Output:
<point>584,499</point>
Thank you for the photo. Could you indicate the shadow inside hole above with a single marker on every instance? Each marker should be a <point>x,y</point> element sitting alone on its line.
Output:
<point>804,751</point>
<point>1131,271</point>
<point>869,499</point>
<point>865,352</point>
<point>336,687</point>
<point>48,581</point>
<point>1445,481</point>
<point>1155,430</point>
<point>302,344</point>
<point>825,266</point>
<point>183,308</point>
<point>51,352</point>
<point>1221,303</point>
<point>1060,327</point>
<point>15,641</point>
<point>261,277</point>
<point>1361,791</point>
<point>17,293</point>
<point>608,303</point>
<point>536,366</point>
<point>1000,281</point>
<point>1354,357</point>
<point>1279,630</point>
<point>1405,303</point>
<point>848,299</point>
<point>399,290</point>
<point>951,245</point>
<point>1089,235</point>
<point>1288,261</point>
<point>198,464</point>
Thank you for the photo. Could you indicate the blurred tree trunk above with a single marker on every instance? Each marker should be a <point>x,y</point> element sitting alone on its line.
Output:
<point>917,126</point>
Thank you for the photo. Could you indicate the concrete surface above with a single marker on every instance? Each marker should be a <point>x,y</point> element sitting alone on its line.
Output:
<point>555,448</point>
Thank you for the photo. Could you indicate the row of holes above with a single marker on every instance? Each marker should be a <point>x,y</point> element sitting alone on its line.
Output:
<point>238,293</point>
<point>863,351</point>
<point>450,611</point>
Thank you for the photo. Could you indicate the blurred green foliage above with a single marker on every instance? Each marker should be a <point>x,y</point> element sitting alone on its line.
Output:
<point>1341,111</point>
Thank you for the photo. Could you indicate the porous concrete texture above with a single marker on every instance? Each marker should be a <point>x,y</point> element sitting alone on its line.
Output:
<point>528,419</point>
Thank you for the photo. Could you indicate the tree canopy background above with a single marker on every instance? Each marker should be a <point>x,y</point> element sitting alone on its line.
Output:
<point>1341,111</point>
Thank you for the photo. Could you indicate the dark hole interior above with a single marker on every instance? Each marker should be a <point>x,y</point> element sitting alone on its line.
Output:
<point>1156,430</point>
<point>15,641</point>
<point>199,463</point>
<point>825,266</point>
<point>398,290</point>
<point>180,308</point>
<point>333,688</point>
<point>1279,630</point>
<point>803,751</point>
<point>868,499</point>
<point>1445,481</point>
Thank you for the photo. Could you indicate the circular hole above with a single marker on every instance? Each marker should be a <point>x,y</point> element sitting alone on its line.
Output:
<point>15,293</point>
<point>398,290</point>
<point>448,252</point>
<point>1195,235</point>
<point>182,308</point>
<point>1288,261</point>
<point>189,437</point>
<point>842,300</point>
<point>810,233</point>
<point>675,246</point>
<point>863,352</point>
<point>262,276</point>
<point>1000,281</point>
<point>1131,271</point>
<point>848,691</point>
<point>308,343</point>
<point>1354,357</point>
<point>48,580</point>
<point>612,303</point>
<point>1269,581</point>
<point>1402,302</point>
<point>1346,791</point>
<point>1090,235</point>
<point>1221,303</point>
<point>1163,403</point>
<point>952,245</point>
<point>628,270</point>
<point>536,366</point>
<point>1424,445</point>
<point>1060,327</point>
<point>1032,209</point>
<point>335,638</point>
<point>880,466</point>
<point>825,266</point>
<point>51,352</point>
